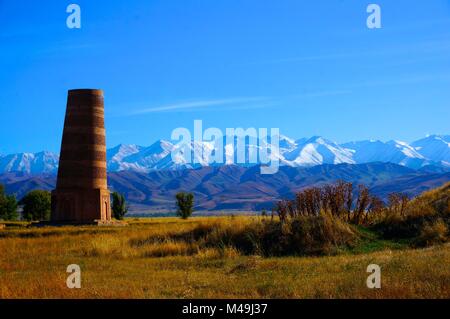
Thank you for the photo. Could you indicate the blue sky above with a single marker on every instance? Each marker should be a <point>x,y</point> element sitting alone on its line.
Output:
<point>306,67</point>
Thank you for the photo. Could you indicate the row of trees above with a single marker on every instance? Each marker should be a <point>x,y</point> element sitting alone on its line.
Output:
<point>340,200</point>
<point>36,205</point>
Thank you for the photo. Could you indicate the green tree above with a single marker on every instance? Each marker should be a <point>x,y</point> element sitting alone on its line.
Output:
<point>119,206</point>
<point>37,205</point>
<point>185,204</point>
<point>8,205</point>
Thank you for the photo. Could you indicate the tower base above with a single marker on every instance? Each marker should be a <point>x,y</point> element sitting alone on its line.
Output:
<point>78,206</point>
<point>115,223</point>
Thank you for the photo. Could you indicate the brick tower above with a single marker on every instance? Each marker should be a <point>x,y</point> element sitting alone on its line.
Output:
<point>81,194</point>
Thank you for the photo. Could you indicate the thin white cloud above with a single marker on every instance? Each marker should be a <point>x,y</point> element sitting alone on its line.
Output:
<point>234,104</point>
<point>195,105</point>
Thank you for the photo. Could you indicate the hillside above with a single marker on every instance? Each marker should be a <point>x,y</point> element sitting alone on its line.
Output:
<point>241,189</point>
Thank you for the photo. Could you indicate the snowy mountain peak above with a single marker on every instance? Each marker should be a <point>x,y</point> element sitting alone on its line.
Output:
<point>286,143</point>
<point>121,151</point>
<point>435,147</point>
<point>316,150</point>
<point>34,163</point>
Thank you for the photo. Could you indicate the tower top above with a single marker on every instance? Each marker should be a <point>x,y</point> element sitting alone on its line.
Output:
<point>86,92</point>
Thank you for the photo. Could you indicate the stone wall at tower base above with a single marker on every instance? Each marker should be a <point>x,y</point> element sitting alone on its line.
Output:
<point>81,206</point>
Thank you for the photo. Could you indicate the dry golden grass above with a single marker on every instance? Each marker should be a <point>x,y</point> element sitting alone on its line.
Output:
<point>433,202</point>
<point>144,261</point>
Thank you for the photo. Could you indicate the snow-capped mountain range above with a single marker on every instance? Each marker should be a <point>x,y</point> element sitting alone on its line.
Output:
<point>431,150</point>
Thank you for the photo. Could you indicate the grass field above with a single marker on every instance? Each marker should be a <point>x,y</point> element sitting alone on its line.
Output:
<point>147,259</point>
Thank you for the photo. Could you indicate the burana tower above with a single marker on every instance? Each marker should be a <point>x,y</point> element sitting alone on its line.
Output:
<point>81,194</point>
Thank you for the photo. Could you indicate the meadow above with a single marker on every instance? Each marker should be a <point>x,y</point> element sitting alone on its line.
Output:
<point>204,257</point>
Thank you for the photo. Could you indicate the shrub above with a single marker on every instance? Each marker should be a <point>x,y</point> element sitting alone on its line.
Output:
<point>36,205</point>
<point>185,204</point>
<point>8,205</point>
<point>433,233</point>
<point>321,235</point>
<point>119,206</point>
<point>434,202</point>
<point>338,201</point>
<point>413,219</point>
<point>304,235</point>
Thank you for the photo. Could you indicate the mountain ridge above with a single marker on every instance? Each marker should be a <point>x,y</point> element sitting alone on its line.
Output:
<point>433,150</point>
<point>240,188</point>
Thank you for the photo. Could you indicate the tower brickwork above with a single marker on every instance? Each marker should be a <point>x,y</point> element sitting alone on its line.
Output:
<point>81,194</point>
